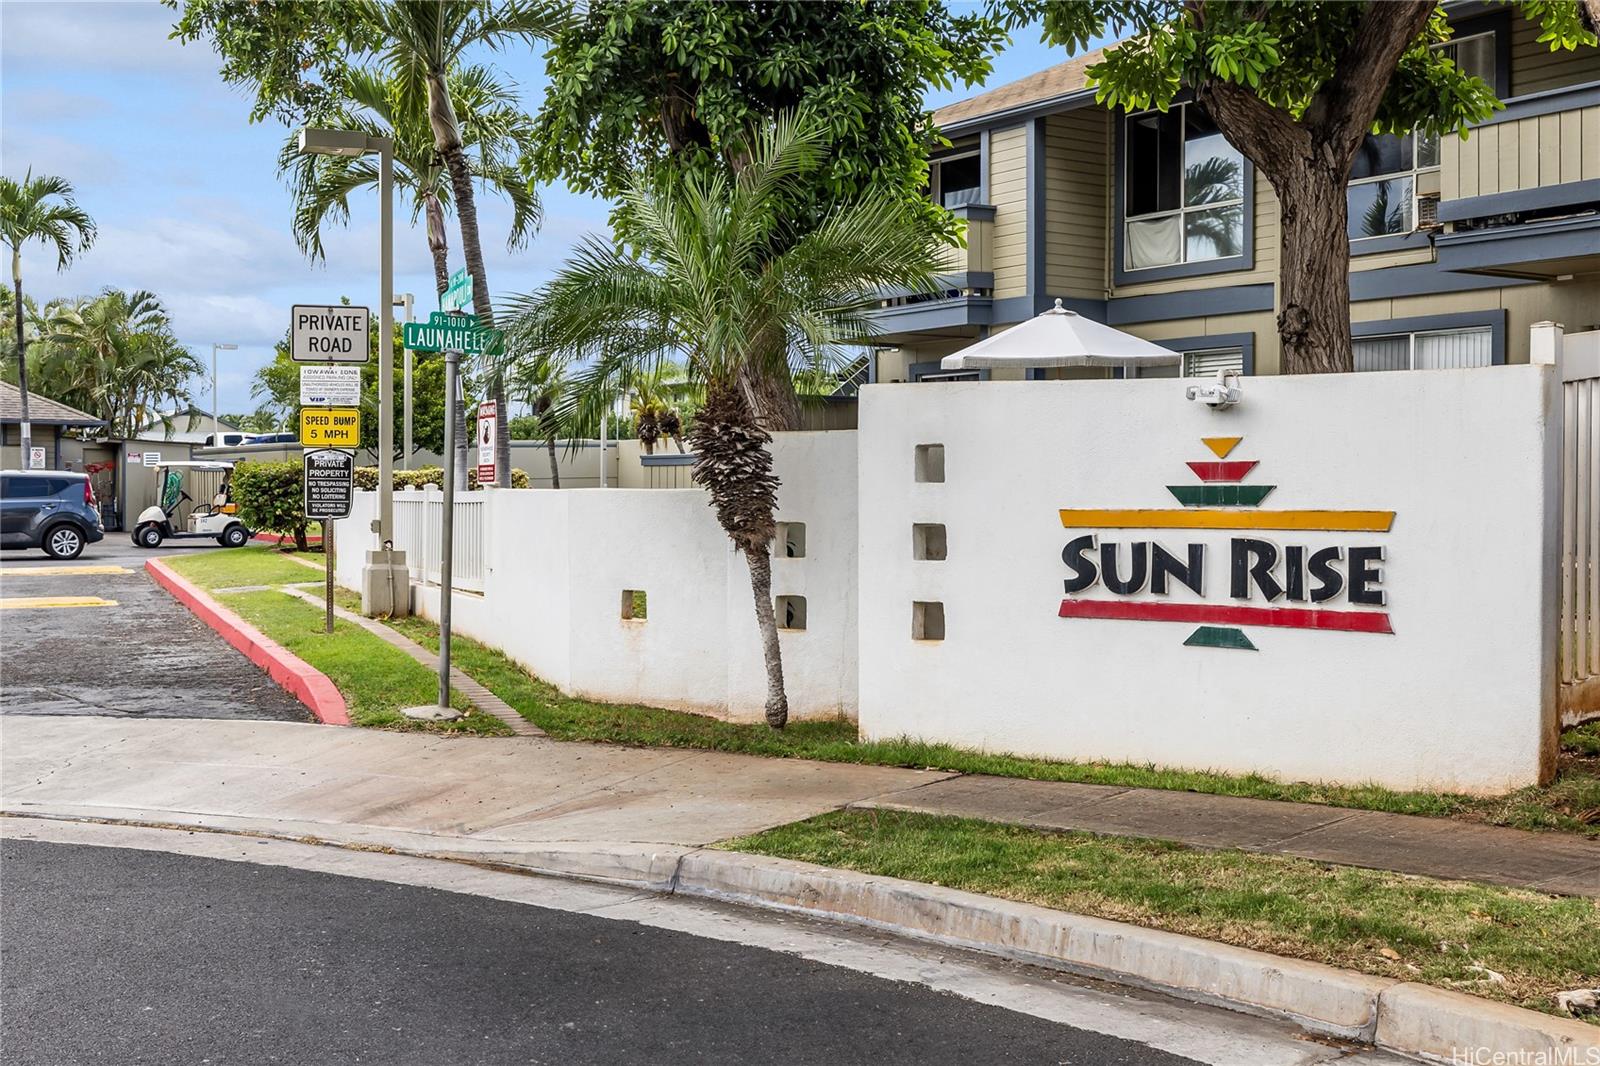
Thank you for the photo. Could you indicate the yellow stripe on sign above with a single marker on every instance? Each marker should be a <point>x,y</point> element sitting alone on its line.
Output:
<point>1211,518</point>
<point>16,603</point>
<point>57,571</point>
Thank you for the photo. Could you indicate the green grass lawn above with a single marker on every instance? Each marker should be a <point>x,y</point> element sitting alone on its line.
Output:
<point>1571,803</point>
<point>376,680</point>
<point>1445,933</point>
<point>232,567</point>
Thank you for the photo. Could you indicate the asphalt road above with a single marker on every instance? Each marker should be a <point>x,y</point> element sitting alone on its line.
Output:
<point>145,655</point>
<point>125,957</point>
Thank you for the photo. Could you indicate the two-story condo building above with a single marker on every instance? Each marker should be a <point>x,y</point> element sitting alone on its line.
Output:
<point>1153,223</point>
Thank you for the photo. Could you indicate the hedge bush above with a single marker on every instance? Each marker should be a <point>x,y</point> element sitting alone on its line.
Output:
<point>271,497</point>
<point>367,477</point>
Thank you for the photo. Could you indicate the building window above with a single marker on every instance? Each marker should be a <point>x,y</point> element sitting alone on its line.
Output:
<point>1200,363</point>
<point>1183,198</point>
<point>1391,172</point>
<point>957,179</point>
<point>1445,349</point>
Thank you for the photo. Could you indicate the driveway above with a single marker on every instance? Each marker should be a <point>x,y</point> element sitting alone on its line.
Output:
<point>97,636</point>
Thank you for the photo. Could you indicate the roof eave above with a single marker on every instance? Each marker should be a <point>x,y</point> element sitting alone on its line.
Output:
<point>1021,112</point>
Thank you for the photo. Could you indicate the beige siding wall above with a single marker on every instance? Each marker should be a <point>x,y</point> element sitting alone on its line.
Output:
<point>1524,154</point>
<point>1261,323</point>
<point>1077,189</point>
<point>1575,304</point>
<point>1008,191</point>
<point>1534,68</point>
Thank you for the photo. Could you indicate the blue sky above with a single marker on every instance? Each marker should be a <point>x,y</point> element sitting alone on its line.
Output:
<point>185,191</point>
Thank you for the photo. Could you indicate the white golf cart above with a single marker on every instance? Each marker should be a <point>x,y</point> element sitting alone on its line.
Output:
<point>216,517</point>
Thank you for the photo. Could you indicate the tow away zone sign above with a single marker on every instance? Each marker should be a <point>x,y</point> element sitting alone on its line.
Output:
<point>321,334</point>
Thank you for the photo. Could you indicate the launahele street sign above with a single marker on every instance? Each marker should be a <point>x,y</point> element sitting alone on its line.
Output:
<point>458,294</point>
<point>319,334</point>
<point>446,332</point>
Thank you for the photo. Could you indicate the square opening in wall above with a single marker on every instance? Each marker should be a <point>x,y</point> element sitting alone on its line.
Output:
<point>927,621</point>
<point>791,612</point>
<point>790,543</point>
<point>930,463</point>
<point>927,541</point>
<point>635,606</point>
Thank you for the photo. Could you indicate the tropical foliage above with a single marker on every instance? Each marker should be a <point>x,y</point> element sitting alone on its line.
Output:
<point>706,290</point>
<point>113,355</point>
<point>40,210</point>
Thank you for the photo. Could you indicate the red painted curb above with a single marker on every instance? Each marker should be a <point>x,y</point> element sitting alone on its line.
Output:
<point>283,538</point>
<point>299,678</point>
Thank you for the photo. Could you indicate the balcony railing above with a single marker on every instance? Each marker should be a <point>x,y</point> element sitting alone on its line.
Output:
<point>1529,157</point>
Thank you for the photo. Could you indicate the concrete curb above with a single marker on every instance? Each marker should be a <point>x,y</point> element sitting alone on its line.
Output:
<point>1400,1016</point>
<point>299,678</point>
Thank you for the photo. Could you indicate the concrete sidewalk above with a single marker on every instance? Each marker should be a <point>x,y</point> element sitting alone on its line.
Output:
<point>366,785</point>
<point>496,796</point>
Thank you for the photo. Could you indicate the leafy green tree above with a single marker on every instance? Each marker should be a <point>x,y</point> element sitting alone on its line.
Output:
<point>1295,87</point>
<point>706,291</point>
<point>115,356</point>
<point>42,209</point>
<point>638,85</point>
<point>271,497</point>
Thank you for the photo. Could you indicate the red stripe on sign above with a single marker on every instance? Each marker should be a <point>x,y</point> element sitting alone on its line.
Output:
<point>1223,614</point>
<point>1223,471</point>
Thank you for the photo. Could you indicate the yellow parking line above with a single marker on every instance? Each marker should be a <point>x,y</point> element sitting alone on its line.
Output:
<point>11,603</point>
<point>54,571</point>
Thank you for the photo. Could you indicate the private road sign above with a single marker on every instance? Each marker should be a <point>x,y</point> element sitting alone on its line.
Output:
<point>458,294</point>
<point>321,334</point>
<point>447,332</point>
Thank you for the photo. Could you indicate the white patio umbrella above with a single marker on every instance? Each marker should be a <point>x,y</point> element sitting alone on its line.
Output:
<point>1060,337</point>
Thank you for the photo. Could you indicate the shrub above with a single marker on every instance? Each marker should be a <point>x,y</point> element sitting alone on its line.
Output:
<point>271,497</point>
<point>367,477</point>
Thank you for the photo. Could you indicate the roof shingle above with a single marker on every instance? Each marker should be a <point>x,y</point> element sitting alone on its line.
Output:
<point>1047,84</point>
<point>41,409</point>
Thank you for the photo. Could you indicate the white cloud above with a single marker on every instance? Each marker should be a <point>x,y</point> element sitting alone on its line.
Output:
<point>123,37</point>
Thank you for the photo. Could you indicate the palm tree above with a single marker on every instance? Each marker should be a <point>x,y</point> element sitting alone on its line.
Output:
<point>425,41</point>
<point>542,384</point>
<point>115,355</point>
<point>498,139</point>
<point>39,209</point>
<point>706,290</point>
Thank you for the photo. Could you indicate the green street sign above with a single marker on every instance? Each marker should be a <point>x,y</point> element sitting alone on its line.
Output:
<point>458,294</point>
<point>446,332</point>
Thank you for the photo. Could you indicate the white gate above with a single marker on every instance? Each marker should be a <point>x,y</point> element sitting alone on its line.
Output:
<point>1579,651</point>
<point>416,532</point>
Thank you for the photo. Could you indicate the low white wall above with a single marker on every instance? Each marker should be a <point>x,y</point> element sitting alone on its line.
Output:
<point>1460,695</point>
<point>558,563</point>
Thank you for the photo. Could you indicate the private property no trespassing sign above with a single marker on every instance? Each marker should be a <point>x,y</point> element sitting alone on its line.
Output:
<point>320,334</point>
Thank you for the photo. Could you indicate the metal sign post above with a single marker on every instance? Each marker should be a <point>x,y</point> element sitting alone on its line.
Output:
<point>447,523</point>
<point>329,478</point>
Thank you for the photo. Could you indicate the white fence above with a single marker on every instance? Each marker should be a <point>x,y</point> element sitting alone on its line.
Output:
<point>1579,646</point>
<point>417,517</point>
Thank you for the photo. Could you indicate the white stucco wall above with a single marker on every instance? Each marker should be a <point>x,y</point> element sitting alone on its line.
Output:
<point>559,561</point>
<point>1459,696</point>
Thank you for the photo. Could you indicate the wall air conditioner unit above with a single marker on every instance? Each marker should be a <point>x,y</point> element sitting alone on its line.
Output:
<point>1428,211</point>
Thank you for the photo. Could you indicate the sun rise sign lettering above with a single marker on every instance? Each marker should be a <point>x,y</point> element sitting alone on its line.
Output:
<point>1305,583</point>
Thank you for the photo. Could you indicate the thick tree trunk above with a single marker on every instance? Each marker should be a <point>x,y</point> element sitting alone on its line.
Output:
<point>555,467</point>
<point>775,400</point>
<point>22,361</point>
<point>733,463</point>
<point>1314,275</point>
<point>447,139</point>
<point>760,560</point>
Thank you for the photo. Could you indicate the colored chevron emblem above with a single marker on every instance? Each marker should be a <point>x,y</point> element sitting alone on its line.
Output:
<point>1223,471</point>
<point>1221,446</point>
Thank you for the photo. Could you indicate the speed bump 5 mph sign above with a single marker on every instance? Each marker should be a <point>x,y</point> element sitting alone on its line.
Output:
<point>330,427</point>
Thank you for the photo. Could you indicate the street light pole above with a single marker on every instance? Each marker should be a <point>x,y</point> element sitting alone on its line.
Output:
<point>385,581</point>
<point>216,425</point>
<point>406,300</point>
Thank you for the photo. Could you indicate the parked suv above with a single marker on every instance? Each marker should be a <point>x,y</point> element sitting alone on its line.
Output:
<point>50,509</point>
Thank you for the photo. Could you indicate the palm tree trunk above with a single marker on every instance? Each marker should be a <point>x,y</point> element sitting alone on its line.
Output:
<point>447,139</point>
<point>555,468</point>
<point>22,360</point>
<point>439,247</point>
<point>733,463</point>
<point>760,560</point>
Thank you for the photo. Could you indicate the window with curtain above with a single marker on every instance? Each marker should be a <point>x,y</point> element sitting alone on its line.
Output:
<point>1183,190</point>
<point>958,180</point>
<point>1445,349</point>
